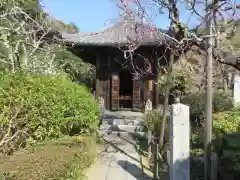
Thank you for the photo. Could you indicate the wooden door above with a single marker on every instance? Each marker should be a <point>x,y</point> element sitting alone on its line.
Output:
<point>136,95</point>
<point>115,91</point>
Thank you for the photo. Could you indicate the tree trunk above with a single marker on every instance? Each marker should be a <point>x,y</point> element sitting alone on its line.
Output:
<point>177,32</point>
<point>225,85</point>
<point>166,100</point>
<point>225,78</point>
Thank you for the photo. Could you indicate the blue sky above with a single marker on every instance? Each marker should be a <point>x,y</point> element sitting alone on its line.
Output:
<point>93,15</point>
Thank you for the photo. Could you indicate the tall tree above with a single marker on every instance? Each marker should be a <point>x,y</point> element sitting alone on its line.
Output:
<point>183,39</point>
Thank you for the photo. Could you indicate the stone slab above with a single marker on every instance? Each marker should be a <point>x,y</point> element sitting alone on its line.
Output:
<point>236,91</point>
<point>179,142</point>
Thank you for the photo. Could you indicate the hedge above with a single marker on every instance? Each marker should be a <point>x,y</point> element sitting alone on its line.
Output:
<point>39,107</point>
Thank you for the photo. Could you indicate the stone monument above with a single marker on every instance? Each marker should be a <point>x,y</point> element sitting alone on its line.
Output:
<point>101,101</point>
<point>148,109</point>
<point>236,91</point>
<point>148,106</point>
<point>101,105</point>
<point>179,142</point>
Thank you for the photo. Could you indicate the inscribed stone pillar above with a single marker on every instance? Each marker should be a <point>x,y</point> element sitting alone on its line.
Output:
<point>148,109</point>
<point>236,91</point>
<point>179,139</point>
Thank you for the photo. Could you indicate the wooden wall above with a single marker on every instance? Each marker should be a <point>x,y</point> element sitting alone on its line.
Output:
<point>102,78</point>
<point>110,61</point>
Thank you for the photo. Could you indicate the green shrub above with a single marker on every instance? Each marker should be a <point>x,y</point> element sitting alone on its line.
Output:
<point>152,119</point>
<point>152,122</point>
<point>221,102</point>
<point>36,107</point>
<point>197,139</point>
<point>226,122</point>
<point>51,160</point>
<point>226,130</point>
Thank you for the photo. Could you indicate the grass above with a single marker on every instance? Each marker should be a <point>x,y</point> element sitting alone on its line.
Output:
<point>52,160</point>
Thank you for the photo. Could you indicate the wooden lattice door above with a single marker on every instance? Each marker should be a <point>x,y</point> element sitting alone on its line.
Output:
<point>115,91</point>
<point>136,95</point>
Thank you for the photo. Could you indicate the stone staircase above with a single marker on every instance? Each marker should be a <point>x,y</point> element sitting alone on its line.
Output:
<point>122,122</point>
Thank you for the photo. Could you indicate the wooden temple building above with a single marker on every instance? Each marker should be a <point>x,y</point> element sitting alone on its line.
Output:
<point>124,81</point>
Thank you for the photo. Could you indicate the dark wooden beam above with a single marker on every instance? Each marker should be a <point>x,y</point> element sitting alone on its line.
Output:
<point>108,104</point>
<point>97,76</point>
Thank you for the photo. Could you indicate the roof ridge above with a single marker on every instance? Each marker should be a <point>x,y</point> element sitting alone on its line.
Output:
<point>122,32</point>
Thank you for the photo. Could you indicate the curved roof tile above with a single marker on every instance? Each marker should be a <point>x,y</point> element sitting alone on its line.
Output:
<point>122,33</point>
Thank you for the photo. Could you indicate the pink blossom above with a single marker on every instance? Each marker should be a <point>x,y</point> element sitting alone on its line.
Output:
<point>126,2</point>
<point>153,28</point>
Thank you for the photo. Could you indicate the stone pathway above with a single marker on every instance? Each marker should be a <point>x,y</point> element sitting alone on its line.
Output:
<point>119,159</point>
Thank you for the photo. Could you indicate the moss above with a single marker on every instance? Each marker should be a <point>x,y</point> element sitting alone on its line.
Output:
<point>62,159</point>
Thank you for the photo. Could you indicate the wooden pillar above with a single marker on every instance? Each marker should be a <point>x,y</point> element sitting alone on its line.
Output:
<point>97,76</point>
<point>136,94</point>
<point>115,91</point>
<point>102,78</point>
<point>108,99</point>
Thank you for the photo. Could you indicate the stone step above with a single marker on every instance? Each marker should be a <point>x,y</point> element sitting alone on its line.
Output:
<point>122,133</point>
<point>123,115</point>
<point>127,128</point>
<point>121,122</point>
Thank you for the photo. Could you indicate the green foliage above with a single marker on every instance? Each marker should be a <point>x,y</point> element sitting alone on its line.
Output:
<point>40,107</point>
<point>79,71</point>
<point>81,161</point>
<point>152,122</point>
<point>152,119</point>
<point>197,140</point>
<point>19,39</point>
<point>35,107</point>
<point>23,46</point>
<point>180,84</point>
<point>57,25</point>
<point>221,102</point>
<point>53,160</point>
<point>226,126</point>
<point>226,122</point>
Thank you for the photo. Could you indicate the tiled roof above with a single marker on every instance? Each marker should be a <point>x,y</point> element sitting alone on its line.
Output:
<point>120,34</point>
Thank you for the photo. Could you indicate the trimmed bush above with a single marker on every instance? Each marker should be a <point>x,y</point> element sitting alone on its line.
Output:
<point>36,107</point>
<point>51,160</point>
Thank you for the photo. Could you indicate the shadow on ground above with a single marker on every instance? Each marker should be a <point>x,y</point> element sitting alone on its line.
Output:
<point>134,170</point>
<point>118,149</point>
